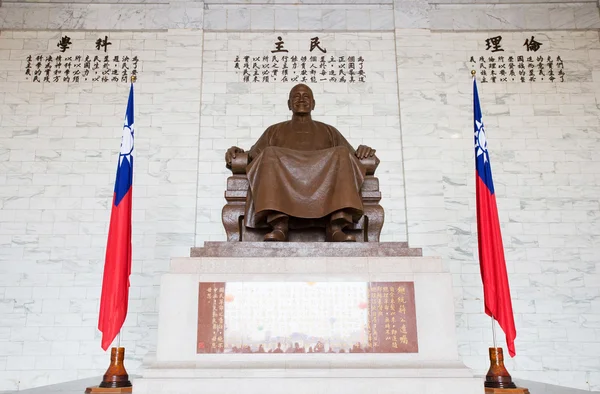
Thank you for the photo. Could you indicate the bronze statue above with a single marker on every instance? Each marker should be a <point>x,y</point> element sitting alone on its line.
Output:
<point>301,173</point>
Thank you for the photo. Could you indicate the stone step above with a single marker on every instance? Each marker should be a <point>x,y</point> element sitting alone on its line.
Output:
<point>305,249</point>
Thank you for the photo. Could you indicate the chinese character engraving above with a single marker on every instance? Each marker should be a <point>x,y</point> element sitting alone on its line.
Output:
<point>28,67</point>
<point>550,64</point>
<point>493,43</point>
<point>279,46</point>
<point>559,67</point>
<point>64,43</point>
<point>78,68</point>
<point>314,43</point>
<point>100,43</point>
<point>519,68</point>
<point>135,61</point>
<point>532,45</point>
<point>303,68</point>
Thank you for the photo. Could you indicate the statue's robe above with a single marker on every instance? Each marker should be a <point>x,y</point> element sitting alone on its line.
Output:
<point>306,174</point>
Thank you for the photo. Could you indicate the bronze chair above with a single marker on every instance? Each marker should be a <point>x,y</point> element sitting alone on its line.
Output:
<point>367,229</point>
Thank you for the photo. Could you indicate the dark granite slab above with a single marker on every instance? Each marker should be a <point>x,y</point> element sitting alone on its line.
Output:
<point>305,249</point>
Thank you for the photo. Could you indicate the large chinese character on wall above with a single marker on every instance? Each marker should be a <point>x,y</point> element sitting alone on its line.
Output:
<point>81,67</point>
<point>309,66</point>
<point>499,66</point>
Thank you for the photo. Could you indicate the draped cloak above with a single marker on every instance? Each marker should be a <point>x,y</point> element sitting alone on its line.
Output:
<point>306,174</point>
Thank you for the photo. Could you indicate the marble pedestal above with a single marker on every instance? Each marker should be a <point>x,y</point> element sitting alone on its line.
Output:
<point>435,369</point>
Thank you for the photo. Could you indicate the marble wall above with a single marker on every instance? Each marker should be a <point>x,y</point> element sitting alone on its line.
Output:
<point>58,144</point>
<point>542,141</point>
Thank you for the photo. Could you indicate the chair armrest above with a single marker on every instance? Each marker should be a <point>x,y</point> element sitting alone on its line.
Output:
<point>239,164</point>
<point>370,164</point>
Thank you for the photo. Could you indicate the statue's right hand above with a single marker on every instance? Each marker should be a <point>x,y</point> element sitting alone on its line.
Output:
<point>231,153</point>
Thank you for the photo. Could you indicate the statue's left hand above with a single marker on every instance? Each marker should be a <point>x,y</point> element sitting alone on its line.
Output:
<point>364,151</point>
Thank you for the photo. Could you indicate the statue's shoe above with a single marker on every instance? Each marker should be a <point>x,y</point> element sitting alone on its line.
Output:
<point>340,236</point>
<point>276,236</point>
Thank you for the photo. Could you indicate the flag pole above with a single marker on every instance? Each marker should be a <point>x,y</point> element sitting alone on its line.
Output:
<point>497,377</point>
<point>494,331</point>
<point>116,378</point>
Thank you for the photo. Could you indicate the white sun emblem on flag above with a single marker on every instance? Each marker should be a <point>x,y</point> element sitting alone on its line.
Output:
<point>126,144</point>
<point>481,141</point>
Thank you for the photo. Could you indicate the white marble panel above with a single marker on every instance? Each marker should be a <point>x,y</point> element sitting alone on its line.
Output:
<point>334,20</point>
<point>215,19</point>
<point>499,16</point>
<point>586,17</point>
<point>509,2</point>
<point>186,16</point>
<point>286,20</point>
<point>358,20</point>
<point>310,19</point>
<point>537,18</point>
<point>100,16</point>
<point>296,2</point>
<point>562,17</point>
<point>411,14</point>
<point>238,19</point>
<point>101,1</point>
<point>262,19</point>
<point>382,19</point>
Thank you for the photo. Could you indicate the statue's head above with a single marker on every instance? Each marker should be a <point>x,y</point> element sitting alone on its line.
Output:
<point>301,101</point>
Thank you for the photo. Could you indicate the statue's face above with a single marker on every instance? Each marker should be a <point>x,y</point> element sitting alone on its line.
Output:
<point>301,100</point>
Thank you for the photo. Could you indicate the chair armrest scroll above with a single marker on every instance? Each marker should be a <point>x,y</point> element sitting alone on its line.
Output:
<point>370,164</point>
<point>238,165</point>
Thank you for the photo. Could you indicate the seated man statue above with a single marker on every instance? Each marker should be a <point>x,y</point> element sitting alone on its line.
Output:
<point>303,170</point>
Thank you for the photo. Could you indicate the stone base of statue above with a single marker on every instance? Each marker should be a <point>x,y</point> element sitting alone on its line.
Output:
<point>305,249</point>
<point>306,318</point>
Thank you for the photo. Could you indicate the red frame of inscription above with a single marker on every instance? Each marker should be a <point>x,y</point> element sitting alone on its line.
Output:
<point>211,317</point>
<point>392,311</point>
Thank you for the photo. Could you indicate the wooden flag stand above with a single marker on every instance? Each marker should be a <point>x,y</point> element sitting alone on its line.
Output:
<point>497,379</point>
<point>115,379</point>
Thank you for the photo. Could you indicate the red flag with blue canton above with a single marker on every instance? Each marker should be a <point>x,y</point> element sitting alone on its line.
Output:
<point>496,291</point>
<point>117,264</point>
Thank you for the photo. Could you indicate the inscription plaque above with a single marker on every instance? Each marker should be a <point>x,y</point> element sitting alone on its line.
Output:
<point>307,317</point>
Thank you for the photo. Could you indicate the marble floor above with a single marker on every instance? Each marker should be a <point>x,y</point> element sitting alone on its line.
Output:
<point>78,387</point>
<point>72,387</point>
<point>542,388</point>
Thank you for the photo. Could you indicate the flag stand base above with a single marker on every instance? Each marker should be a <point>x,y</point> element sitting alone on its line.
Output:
<point>518,390</point>
<point>497,379</point>
<point>99,390</point>
<point>115,379</point>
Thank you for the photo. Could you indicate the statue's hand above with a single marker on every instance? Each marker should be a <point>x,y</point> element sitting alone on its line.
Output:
<point>364,151</point>
<point>231,153</point>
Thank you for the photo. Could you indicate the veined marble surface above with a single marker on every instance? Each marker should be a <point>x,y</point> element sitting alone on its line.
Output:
<point>284,16</point>
<point>101,16</point>
<point>78,386</point>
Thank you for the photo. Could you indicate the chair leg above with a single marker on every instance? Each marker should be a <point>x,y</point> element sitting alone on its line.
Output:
<point>232,215</point>
<point>374,217</point>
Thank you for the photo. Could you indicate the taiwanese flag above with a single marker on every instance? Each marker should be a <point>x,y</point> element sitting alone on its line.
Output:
<point>117,264</point>
<point>496,292</point>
